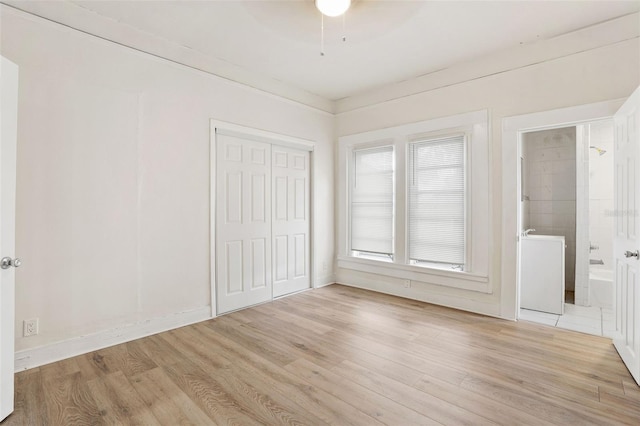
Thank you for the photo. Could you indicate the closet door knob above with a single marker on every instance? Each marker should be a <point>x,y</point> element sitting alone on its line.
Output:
<point>631,254</point>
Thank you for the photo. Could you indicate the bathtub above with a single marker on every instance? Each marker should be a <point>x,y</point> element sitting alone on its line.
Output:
<point>601,287</point>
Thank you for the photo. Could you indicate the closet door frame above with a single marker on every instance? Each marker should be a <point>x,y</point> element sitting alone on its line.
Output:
<point>216,127</point>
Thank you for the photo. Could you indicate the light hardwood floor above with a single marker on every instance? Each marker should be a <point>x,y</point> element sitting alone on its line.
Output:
<point>342,356</point>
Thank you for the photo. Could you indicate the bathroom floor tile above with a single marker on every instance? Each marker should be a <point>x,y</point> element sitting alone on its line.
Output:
<point>596,331</point>
<point>577,320</point>
<point>582,311</point>
<point>539,317</point>
<point>584,319</point>
<point>538,314</point>
<point>545,321</point>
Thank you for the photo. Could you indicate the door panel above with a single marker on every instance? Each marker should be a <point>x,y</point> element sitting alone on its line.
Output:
<point>259,263</point>
<point>233,197</point>
<point>282,257</point>
<point>280,198</point>
<point>291,220</point>
<point>300,255</point>
<point>300,199</point>
<point>243,227</point>
<point>258,202</point>
<point>626,242</point>
<point>9,112</point>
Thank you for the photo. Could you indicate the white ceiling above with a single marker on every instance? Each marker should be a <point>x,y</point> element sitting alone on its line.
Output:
<point>387,41</point>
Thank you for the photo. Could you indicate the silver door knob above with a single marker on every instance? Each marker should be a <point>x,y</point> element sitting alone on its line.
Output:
<point>7,262</point>
<point>631,254</point>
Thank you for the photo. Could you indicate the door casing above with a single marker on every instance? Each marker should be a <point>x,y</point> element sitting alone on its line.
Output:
<point>512,130</point>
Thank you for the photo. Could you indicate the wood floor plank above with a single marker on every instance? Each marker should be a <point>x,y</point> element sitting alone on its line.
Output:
<point>631,388</point>
<point>340,356</point>
<point>268,405</point>
<point>430,406</point>
<point>220,406</point>
<point>166,400</point>
<point>318,402</point>
<point>377,406</point>
<point>118,402</point>
<point>29,400</point>
<point>68,401</point>
<point>157,349</point>
<point>233,374</point>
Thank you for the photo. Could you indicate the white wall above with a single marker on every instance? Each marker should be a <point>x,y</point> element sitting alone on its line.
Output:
<point>607,72</point>
<point>113,166</point>
<point>113,179</point>
<point>600,192</point>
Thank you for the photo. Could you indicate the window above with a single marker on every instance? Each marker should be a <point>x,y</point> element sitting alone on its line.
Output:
<point>372,198</point>
<point>436,202</point>
<point>414,205</point>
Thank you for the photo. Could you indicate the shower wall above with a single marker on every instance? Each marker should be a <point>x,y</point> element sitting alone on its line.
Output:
<point>549,172</point>
<point>600,192</point>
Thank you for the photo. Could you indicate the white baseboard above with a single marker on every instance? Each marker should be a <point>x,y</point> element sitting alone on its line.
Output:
<point>324,281</point>
<point>31,358</point>
<point>462,304</point>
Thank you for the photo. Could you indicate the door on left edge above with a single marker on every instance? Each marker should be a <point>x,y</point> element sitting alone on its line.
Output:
<point>8,137</point>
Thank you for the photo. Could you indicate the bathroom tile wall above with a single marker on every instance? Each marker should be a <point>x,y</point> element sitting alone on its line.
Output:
<point>601,192</point>
<point>550,184</point>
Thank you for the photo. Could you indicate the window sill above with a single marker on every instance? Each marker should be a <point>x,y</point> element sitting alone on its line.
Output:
<point>456,279</point>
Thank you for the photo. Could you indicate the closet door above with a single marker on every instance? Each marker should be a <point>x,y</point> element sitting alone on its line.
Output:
<point>290,215</point>
<point>243,219</point>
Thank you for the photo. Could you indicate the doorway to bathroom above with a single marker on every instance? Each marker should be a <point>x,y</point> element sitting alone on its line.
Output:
<point>567,181</point>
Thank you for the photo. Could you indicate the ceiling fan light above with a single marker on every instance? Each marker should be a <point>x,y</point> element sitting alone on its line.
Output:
<point>333,7</point>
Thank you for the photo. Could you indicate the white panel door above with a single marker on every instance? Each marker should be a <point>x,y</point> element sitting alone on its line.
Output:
<point>626,242</point>
<point>290,212</point>
<point>8,131</point>
<point>243,223</point>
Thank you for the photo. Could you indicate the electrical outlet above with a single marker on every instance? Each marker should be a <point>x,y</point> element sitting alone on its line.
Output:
<point>407,283</point>
<point>30,327</point>
<point>324,266</point>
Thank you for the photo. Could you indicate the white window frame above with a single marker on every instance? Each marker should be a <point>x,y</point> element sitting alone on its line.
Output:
<point>466,134</point>
<point>350,173</point>
<point>474,126</point>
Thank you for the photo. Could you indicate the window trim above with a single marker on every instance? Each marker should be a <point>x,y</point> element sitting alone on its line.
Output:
<point>466,132</point>
<point>474,126</point>
<point>351,176</point>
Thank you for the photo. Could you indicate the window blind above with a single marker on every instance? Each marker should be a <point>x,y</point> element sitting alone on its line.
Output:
<point>436,207</point>
<point>372,193</point>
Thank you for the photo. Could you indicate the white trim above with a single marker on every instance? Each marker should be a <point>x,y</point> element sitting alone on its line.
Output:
<point>598,36</point>
<point>259,135</point>
<point>512,129</point>
<point>31,358</point>
<point>418,128</point>
<point>455,302</point>
<point>212,216</point>
<point>324,281</point>
<point>475,126</point>
<point>455,279</point>
<point>59,15</point>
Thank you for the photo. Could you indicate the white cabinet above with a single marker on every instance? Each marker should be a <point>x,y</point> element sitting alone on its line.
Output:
<point>542,273</point>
